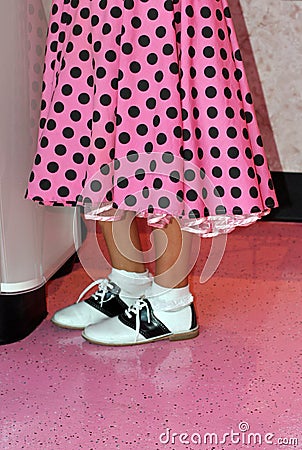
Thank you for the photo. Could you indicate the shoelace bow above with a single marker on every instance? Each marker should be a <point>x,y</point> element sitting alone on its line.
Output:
<point>104,286</point>
<point>135,309</point>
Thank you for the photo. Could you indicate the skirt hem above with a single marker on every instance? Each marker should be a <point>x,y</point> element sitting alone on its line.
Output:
<point>209,226</point>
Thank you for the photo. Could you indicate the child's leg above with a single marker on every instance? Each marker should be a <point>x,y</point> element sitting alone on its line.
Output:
<point>123,242</point>
<point>177,254</point>
<point>127,281</point>
<point>172,266</point>
<point>166,311</point>
<point>125,251</point>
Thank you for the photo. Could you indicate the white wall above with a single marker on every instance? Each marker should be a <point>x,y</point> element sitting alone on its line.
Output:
<point>47,5</point>
<point>34,240</point>
<point>272,33</point>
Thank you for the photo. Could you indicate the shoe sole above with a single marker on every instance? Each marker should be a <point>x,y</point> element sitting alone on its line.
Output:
<point>66,327</point>
<point>171,337</point>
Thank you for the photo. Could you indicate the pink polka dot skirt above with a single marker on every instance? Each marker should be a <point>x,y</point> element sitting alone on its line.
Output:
<point>146,108</point>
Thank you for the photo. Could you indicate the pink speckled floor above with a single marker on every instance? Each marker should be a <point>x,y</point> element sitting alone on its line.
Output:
<point>243,371</point>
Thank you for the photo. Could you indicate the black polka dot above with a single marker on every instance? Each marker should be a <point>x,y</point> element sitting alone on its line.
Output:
<point>84,99</point>
<point>160,32</point>
<point>168,157</point>
<point>105,169</point>
<point>100,143</point>
<point>144,40</point>
<point>191,195</point>
<point>165,94</point>
<point>161,138</point>
<point>105,99</point>
<point>248,98</point>
<point>151,103</point>
<point>101,72</point>
<point>44,142</point>
<point>233,152</point>
<point>52,167</point>
<point>143,85</point>
<point>142,129</point>
<point>75,116</point>
<point>130,200</point>
<point>140,175</point>
<point>127,48</point>
<point>215,152</point>
<point>60,149</point>
<point>124,137</point>
<point>152,58</point>
<point>217,172</point>
<point>67,89</point>
<point>122,182</point>
<point>189,175</point>
<point>63,191</point>
<point>159,75</point>
<point>207,32</point>
<point>236,192</point>
<point>91,159</point>
<point>110,55</point>
<point>78,158</point>
<point>248,153</point>
<point>219,191</point>
<point>148,147</point>
<point>75,72</point>
<point>187,154</point>
<point>164,202</point>
<point>157,183</point>
<point>210,71</point>
<point>259,160</point>
<point>220,210</point>
<point>194,214</point>
<point>254,192</point>
<point>213,132</point>
<point>153,165</point>
<point>211,92</point>
<point>59,107</point>
<point>70,174</point>
<point>205,12</point>
<point>232,132</point>
<point>208,52</point>
<point>45,184</point>
<point>237,210</point>
<point>270,202</point>
<point>134,111</point>
<point>229,112</point>
<point>132,156</point>
<point>174,176</point>
<point>96,186</point>
<point>212,112</point>
<point>234,172</point>
<point>68,132</point>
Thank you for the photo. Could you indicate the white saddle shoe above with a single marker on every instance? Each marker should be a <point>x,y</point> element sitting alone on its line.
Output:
<point>103,304</point>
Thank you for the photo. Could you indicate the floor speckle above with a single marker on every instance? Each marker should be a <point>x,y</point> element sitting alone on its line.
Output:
<point>240,377</point>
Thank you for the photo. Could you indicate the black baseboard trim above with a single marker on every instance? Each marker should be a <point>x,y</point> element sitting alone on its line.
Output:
<point>20,314</point>
<point>288,186</point>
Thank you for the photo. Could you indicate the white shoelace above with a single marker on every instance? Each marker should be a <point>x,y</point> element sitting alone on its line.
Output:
<point>135,309</point>
<point>104,286</point>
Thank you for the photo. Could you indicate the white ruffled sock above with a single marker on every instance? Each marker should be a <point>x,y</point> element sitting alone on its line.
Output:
<point>132,284</point>
<point>168,299</point>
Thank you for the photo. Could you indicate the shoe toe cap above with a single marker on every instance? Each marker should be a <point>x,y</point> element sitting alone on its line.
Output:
<point>79,316</point>
<point>109,332</point>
